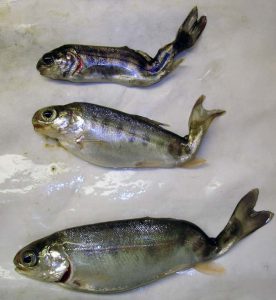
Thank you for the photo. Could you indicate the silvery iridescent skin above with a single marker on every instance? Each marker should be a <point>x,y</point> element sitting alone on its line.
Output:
<point>110,138</point>
<point>79,63</point>
<point>122,255</point>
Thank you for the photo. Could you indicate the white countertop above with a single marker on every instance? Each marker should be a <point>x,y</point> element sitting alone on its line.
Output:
<point>233,64</point>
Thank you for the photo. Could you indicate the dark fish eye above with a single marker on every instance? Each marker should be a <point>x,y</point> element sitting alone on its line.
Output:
<point>29,258</point>
<point>49,114</point>
<point>48,59</point>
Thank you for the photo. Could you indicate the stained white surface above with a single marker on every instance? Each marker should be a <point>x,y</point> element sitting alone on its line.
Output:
<point>43,190</point>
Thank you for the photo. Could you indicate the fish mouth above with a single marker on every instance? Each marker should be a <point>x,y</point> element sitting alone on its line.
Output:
<point>38,127</point>
<point>36,124</point>
<point>18,266</point>
<point>42,68</point>
<point>16,261</point>
<point>40,65</point>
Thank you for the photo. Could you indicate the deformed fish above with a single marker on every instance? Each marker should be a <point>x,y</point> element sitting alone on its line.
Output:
<point>122,255</point>
<point>80,63</point>
<point>110,138</point>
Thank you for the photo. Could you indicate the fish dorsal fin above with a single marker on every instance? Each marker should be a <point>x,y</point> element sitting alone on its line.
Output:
<point>145,55</point>
<point>210,268</point>
<point>152,122</point>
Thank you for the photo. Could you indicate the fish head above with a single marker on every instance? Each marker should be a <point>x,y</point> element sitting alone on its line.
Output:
<point>59,121</point>
<point>59,63</point>
<point>43,260</point>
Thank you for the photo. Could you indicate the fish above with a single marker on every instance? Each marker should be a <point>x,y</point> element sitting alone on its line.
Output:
<point>110,138</point>
<point>122,65</point>
<point>118,256</point>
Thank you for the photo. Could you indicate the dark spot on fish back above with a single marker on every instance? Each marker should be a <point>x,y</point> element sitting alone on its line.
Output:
<point>132,134</point>
<point>145,139</point>
<point>151,251</point>
<point>175,148</point>
<point>198,244</point>
<point>105,122</point>
<point>119,127</point>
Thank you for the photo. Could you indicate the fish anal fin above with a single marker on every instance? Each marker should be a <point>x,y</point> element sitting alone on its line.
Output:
<point>147,164</point>
<point>196,162</point>
<point>210,268</point>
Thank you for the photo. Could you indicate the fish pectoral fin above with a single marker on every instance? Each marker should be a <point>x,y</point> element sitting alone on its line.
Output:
<point>196,162</point>
<point>153,122</point>
<point>93,141</point>
<point>81,140</point>
<point>210,268</point>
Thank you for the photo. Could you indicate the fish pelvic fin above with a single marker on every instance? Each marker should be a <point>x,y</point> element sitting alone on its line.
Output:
<point>244,221</point>
<point>194,163</point>
<point>189,31</point>
<point>199,122</point>
<point>210,268</point>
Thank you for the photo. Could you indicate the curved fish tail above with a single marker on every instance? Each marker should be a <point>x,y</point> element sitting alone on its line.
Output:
<point>163,63</point>
<point>243,222</point>
<point>199,122</point>
<point>189,31</point>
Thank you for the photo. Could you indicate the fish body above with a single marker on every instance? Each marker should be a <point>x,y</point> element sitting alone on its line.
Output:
<point>81,63</point>
<point>110,138</point>
<point>122,255</point>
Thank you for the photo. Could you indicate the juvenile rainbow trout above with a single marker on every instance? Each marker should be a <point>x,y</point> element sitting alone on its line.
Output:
<point>122,255</point>
<point>80,63</point>
<point>111,138</point>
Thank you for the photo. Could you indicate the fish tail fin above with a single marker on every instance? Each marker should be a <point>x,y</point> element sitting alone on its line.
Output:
<point>199,122</point>
<point>243,222</point>
<point>189,31</point>
<point>163,63</point>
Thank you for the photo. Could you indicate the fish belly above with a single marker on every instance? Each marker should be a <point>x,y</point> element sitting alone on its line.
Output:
<point>122,255</point>
<point>122,155</point>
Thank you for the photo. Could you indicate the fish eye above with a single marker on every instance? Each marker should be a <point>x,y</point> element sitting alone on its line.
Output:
<point>49,115</point>
<point>48,59</point>
<point>29,258</point>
